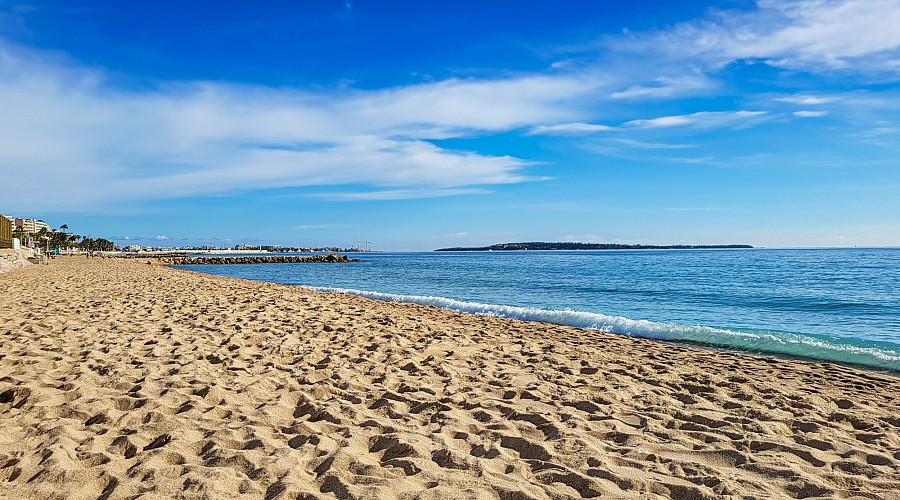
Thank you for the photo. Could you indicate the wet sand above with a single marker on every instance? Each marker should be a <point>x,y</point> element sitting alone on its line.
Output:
<point>120,379</point>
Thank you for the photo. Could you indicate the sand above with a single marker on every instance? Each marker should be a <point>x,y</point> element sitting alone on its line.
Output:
<point>120,379</point>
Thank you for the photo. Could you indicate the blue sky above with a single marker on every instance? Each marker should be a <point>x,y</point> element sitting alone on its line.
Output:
<point>418,125</point>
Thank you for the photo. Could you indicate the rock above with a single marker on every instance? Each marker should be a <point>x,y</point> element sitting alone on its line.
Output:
<point>14,259</point>
<point>274,259</point>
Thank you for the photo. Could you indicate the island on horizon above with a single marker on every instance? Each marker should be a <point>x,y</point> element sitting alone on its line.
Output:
<point>538,245</point>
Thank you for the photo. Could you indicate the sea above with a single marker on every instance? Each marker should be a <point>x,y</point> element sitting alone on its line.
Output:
<point>825,305</point>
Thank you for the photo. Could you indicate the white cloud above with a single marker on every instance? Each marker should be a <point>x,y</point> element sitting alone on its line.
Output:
<point>832,33</point>
<point>455,105</point>
<point>399,194</point>
<point>884,137</point>
<point>587,238</point>
<point>880,131</point>
<point>806,100</point>
<point>663,121</point>
<point>667,86</point>
<point>364,159</point>
<point>161,238</point>
<point>650,145</point>
<point>703,119</point>
<point>810,114</point>
<point>703,160</point>
<point>577,128</point>
<point>808,35</point>
<point>105,145</point>
<point>695,209</point>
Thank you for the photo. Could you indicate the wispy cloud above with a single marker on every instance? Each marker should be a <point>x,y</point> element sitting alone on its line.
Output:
<point>702,160</point>
<point>453,107</point>
<point>200,138</point>
<point>569,129</point>
<point>586,238</point>
<point>807,100</point>
<point>695,209</point>
<point>397,194</point>
<point>631,143</point>
<point>108,145</point>
<point>883,137</point>
<point>703,119</point>
<point>808,35</point>
<point>667,86</point>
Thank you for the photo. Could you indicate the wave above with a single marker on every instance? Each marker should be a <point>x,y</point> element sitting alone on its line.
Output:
<point>865,353</point>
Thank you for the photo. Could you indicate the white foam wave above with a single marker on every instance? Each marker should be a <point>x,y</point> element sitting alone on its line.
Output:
<point>761,341</point>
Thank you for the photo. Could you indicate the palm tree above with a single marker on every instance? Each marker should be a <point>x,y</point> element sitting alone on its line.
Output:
<point>19,233</point>
<point>43,234</point>
<point>58,241</point>
<point>104,245</point>
<point>63,240</point>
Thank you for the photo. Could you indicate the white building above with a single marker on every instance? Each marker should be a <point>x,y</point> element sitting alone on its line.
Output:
<point>31,225</point>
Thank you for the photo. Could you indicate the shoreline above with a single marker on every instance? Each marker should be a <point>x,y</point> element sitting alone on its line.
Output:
<point>122,377</point>
<point>878,357</point>
<point>693,344</point>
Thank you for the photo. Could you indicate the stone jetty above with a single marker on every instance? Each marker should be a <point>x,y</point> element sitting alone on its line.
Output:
<point>268,259</point>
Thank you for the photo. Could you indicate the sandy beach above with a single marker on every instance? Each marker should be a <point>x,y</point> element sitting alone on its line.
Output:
<point>120,379</point>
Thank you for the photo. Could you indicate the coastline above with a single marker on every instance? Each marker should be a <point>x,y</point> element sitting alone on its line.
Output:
<point>120,377</point>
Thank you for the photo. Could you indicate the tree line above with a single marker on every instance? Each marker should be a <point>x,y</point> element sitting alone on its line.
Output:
<point>542,245</point>
<point>61,240</point>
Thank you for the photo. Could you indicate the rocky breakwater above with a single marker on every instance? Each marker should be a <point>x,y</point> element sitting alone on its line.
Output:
<point>269,259</point>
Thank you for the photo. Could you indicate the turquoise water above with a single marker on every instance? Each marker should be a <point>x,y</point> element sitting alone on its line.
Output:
<point>837,305</point>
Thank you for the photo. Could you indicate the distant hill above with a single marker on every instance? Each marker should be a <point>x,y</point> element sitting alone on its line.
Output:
<point>539,245</point>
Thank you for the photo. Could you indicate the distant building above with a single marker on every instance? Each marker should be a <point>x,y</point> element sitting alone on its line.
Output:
<point>6,229</point>
<point>32,225</point>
